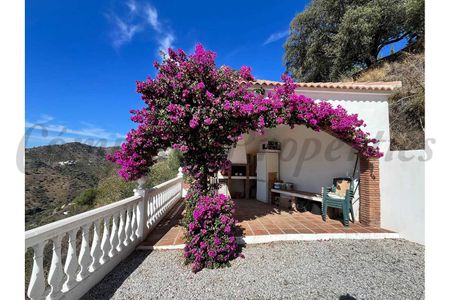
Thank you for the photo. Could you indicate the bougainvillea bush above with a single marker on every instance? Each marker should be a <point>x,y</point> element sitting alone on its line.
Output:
<point>192,106</point>
<point>211,234</point>
<point>203,110</point>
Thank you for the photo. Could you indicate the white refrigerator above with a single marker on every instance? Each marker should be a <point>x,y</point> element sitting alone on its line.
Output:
<point>267,162</point>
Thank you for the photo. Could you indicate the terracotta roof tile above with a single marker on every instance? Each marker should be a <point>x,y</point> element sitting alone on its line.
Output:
<point>369,86</point>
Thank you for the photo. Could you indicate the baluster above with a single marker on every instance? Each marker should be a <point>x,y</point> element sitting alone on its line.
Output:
<point>141,219</point>
<point>114,235</point>
<point>121,231</point>
<point>164,202</point>
<point>127,228</point>
<point>85,258</point>
<point>55,275</point>
<point>36,287</point>
<point>152,205</point>
<point>96,253</point>
<point>106,243</point>
<point>150,211</point>
<point>159,205</point>
<point>156,206</point>
<point>155,212</point>
<point>133,223</point>
<point>71,265</point>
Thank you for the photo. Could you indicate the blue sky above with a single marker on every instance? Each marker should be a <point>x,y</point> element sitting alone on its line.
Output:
<point>83,57</point>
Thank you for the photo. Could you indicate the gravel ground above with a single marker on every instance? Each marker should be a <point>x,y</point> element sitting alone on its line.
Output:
<point>336,269</point>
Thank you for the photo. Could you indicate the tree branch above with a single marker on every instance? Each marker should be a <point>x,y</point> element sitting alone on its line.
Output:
<point>392,41</point>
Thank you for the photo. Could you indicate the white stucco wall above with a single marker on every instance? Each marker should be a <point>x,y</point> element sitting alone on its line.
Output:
<point>402,175</point>
<point>372,107</point>
<point>309,159</point>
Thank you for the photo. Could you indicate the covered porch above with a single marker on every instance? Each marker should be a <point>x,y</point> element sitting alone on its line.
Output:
<point>261,222</point>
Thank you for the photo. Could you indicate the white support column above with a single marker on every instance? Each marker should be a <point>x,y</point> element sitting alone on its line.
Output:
<point>141,210</point>
<point>180,175</point>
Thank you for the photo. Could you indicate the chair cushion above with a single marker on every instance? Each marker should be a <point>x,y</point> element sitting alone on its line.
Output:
<point>335,196</point>
<point>341,187</point>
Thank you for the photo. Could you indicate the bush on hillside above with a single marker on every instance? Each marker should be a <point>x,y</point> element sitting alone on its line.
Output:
<point>86,198</point>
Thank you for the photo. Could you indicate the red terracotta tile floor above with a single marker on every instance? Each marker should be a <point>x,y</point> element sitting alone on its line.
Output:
<point>256,218</point>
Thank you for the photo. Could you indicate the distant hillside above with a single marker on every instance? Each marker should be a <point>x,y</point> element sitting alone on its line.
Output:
<point>64,180</point>
<point>56,174</point>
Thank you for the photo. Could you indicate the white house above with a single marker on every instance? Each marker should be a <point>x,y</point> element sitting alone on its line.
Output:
<point>388,187</point>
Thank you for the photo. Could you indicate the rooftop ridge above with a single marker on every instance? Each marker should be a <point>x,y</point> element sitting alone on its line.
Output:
<point>367,85</point>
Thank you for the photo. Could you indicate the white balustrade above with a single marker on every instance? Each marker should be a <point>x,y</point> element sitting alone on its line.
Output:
<point>71,266</point>
<point>85,258</point>
<point>125,224</point>
<point>106,242</point>
<point>114,236</point>
<point>55,275</point>
<point>127,240</point>
<point>37,289</point>
<point>133,223</point>
<point>121,233</point>
<point>96,252</point>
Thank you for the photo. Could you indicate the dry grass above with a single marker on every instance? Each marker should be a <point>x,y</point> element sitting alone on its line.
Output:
<point>407,106</point>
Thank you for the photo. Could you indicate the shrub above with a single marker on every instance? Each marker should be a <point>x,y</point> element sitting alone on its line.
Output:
<point>211,235</point>
<point>86,198</point>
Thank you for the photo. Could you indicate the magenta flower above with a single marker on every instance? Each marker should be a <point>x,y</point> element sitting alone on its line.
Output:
<point>193,123</point>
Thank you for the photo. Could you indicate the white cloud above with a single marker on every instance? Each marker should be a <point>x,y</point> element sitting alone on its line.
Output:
<point>152,17</point>
<point>165,37</point>
<point>44,118</point>
<point>123,32</point>
<point>166,42</point>
<point>52,132</point>
<point>141,16</point>
<point>131,6</point>
<point>276,36</point>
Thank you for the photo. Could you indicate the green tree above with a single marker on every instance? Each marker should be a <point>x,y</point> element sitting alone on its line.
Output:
<point>86,198</point>
<point>164,170</point>
<point>114,188</point>
<point>334,38</point>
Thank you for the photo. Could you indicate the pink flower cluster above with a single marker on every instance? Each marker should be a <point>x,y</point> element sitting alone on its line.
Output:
<point>203,110</point>
<point>211,236</point>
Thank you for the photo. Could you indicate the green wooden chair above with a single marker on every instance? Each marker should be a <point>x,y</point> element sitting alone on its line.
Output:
<point>331,199</point>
